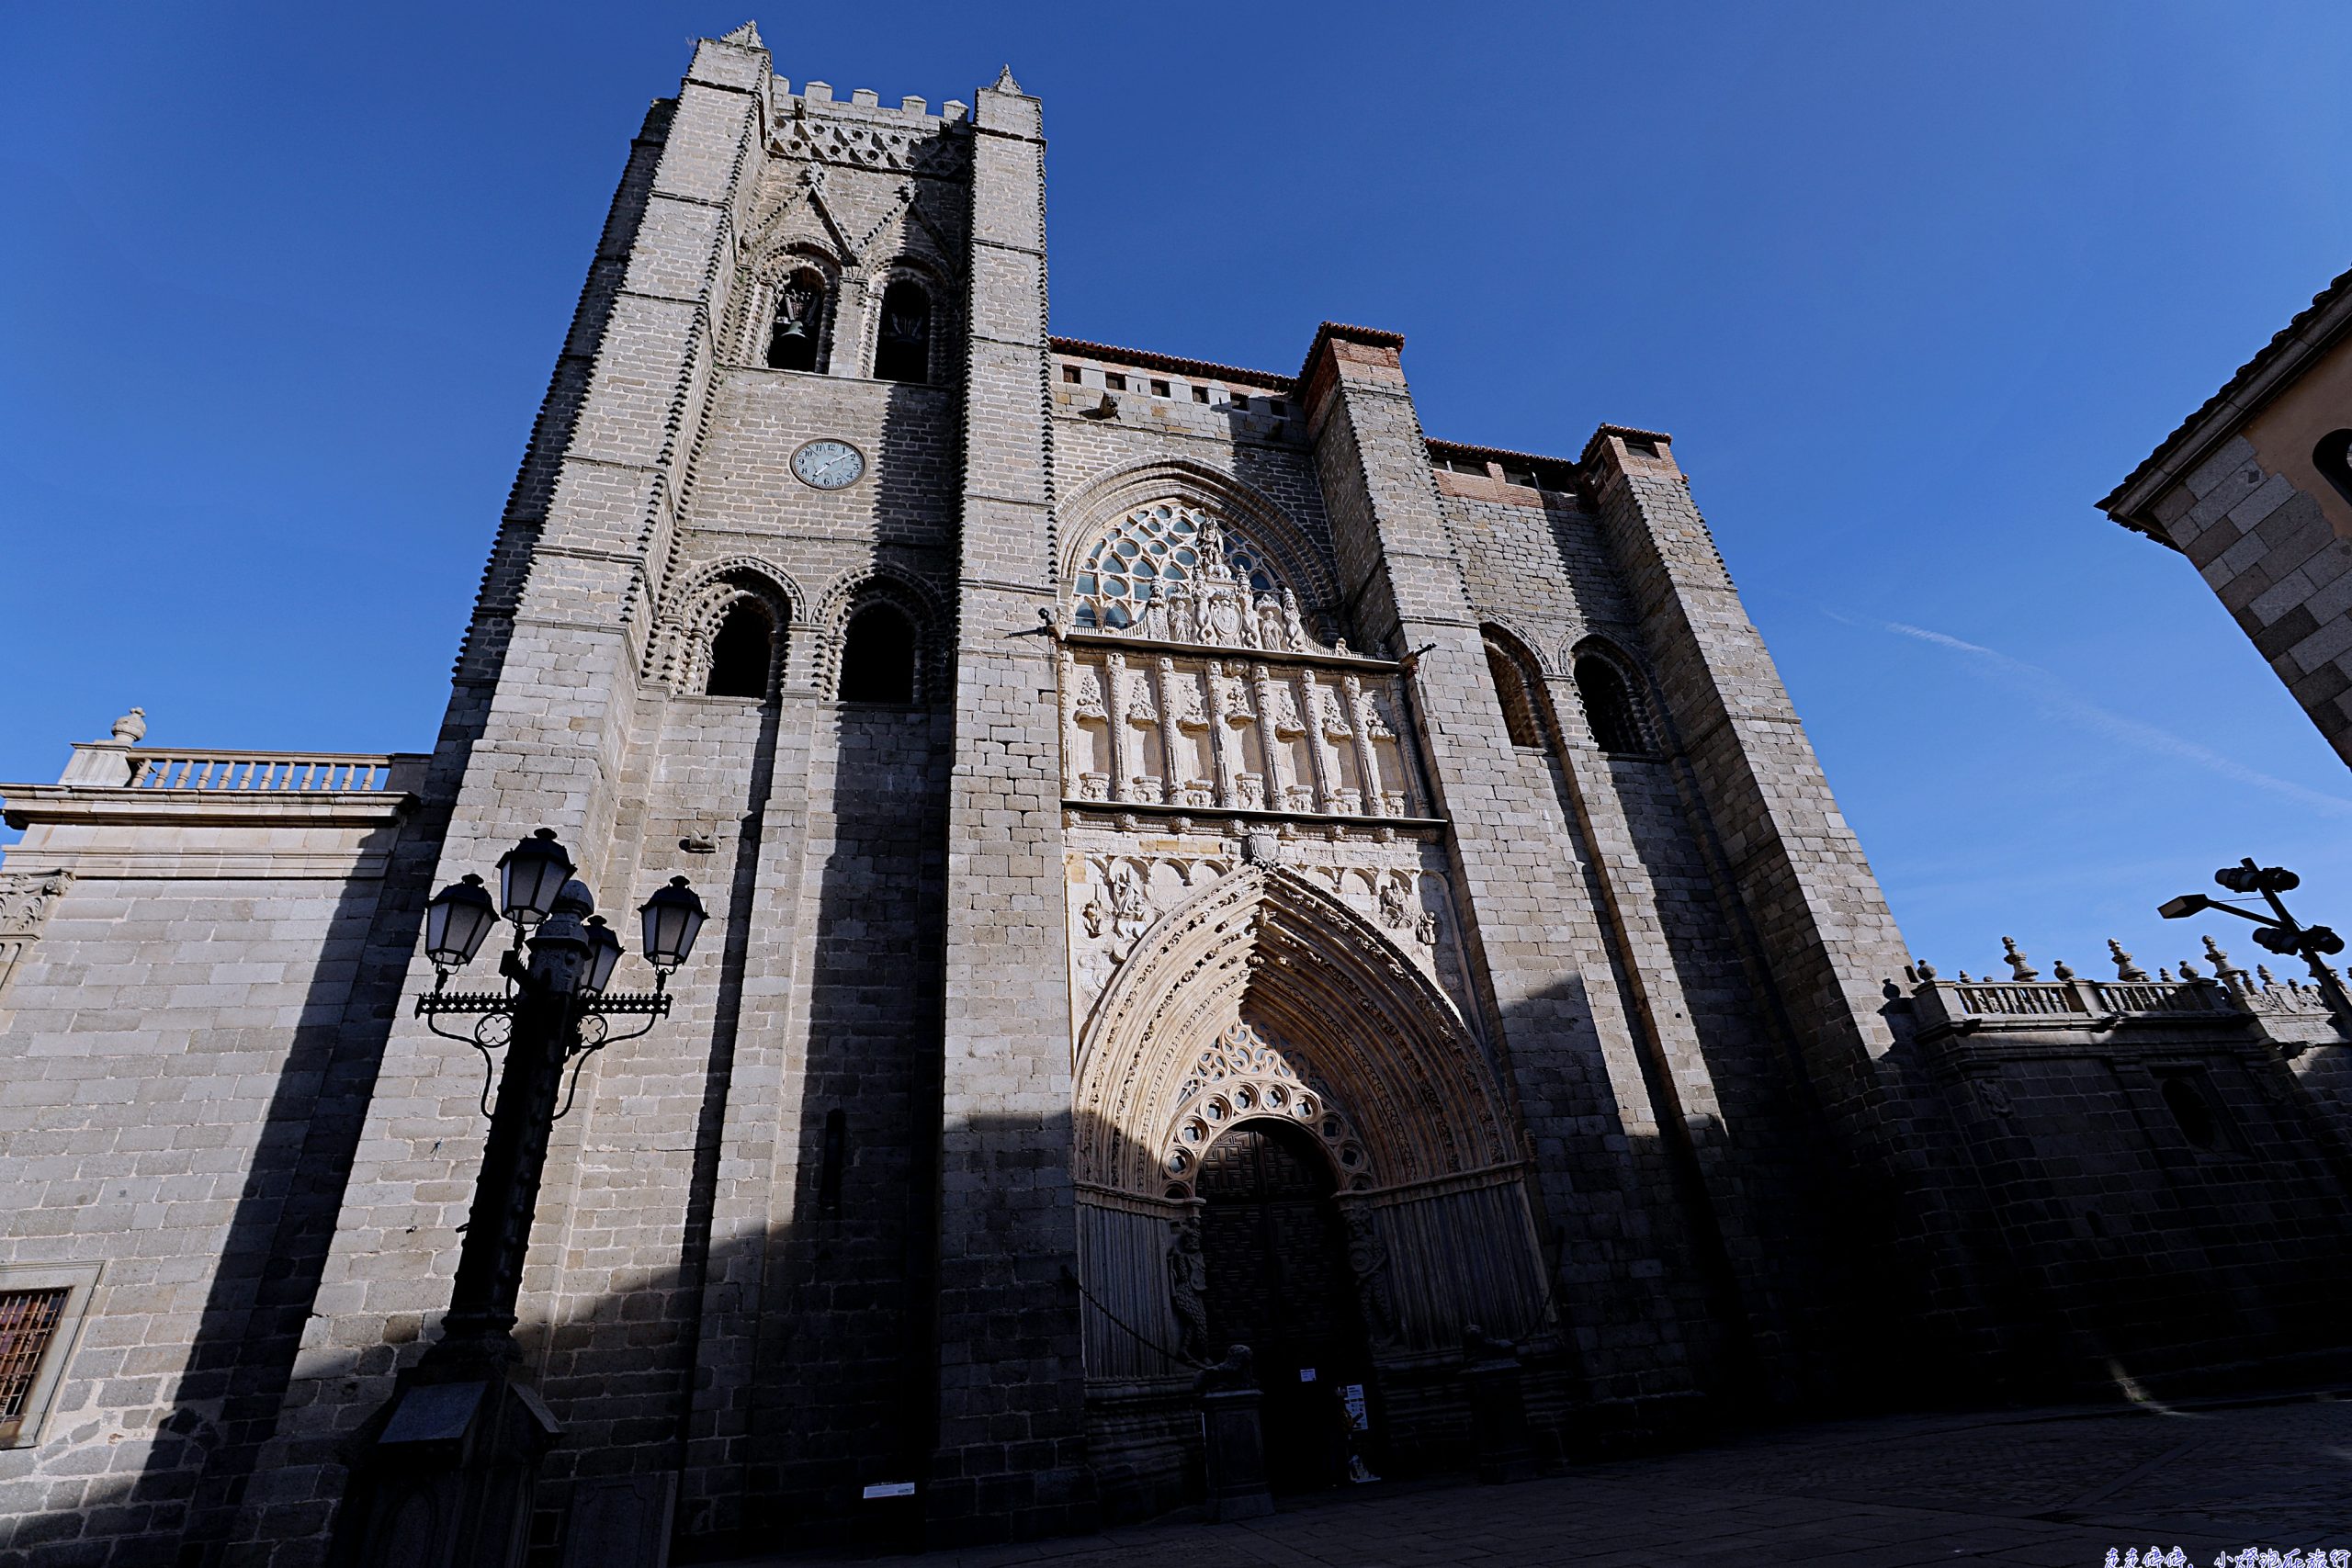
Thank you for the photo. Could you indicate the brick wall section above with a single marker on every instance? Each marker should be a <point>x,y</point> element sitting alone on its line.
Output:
<point>1010,1457</point>
<point>2262,547</point>
<point>1815,910</point>
<point>1576,1073</point>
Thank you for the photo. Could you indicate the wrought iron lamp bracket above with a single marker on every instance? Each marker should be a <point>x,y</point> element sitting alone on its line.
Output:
<point>495,1023</point>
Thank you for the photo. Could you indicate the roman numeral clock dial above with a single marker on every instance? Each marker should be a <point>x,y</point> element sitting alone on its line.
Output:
<point>829,463</point>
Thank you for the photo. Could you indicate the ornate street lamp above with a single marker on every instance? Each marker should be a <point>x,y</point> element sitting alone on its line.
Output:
<point>447,1479</point>
<point>2278,931</point>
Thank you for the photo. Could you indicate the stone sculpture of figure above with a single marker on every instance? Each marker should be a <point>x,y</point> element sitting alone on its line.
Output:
<point>1181,624</point>
<point>1212,544</point>
<point>1129,912</point>
<point>1368,1260</point>
<point>1392,904</point>
<point>1237,1370</point>
<point>132,726</point>
<point>1270,632</point>
<point>1293,628</point>
<point>1154,620</point>
<point>1188,1283</point>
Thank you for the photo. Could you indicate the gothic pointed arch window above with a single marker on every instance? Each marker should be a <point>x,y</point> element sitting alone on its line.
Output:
<point>878,656</point>
<point>1155,552</point>
<point>1515,690</point>
<point>796,330</point>
<point>902,348</point>
<point>742,653</point>
<point>1609,705</point>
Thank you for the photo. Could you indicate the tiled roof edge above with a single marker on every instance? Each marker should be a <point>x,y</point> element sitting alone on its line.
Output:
<point>2293,342</point>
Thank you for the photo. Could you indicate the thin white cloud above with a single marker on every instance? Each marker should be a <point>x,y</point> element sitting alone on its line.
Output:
<point>2055,695</point>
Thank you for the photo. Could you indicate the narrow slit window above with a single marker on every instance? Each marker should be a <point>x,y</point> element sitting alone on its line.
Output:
<point>1608,704</point>
<point>742,655</point>
<point>903,352</point>
<point>799,320</point>
<point>836,1155</point>
<point>878,657</point>
<point>1071,375</point>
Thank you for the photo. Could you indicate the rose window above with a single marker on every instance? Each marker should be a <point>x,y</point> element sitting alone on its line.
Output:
<point>1151,550</point>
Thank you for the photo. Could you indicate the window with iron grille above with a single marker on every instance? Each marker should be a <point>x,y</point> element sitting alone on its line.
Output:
<point>42,1309</point>
<point>28,1321</point>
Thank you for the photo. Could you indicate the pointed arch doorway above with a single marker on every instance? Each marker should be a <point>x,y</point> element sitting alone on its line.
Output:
<point>1265,1001</point>
<point>1275,1253</point>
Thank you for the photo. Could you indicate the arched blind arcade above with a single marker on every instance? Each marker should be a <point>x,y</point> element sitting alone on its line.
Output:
<point>1609,705</point>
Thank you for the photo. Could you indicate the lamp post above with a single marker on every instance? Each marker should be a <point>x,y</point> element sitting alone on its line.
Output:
<point>447,1478</point>
<point>2278,930</point>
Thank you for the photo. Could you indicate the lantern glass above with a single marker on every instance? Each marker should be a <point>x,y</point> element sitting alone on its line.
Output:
<point>673,918</point>
<point>457,922</point>
<point>604,952</point>
<point>530,875</point>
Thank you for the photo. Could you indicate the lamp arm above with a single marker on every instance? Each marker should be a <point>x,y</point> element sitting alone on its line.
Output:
<point>2244,914</point>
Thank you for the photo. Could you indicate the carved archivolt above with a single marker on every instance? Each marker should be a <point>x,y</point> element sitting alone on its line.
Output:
<point>883,583</point>
<point>1265,984</point>
<point>680,646</point>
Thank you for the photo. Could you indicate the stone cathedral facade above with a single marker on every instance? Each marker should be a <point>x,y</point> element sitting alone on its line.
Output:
<point>1193,860</point>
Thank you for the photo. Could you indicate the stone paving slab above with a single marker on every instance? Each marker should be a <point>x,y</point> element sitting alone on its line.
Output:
<point>2049,1489</point>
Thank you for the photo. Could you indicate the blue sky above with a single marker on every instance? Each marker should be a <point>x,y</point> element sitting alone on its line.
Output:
<point>1912,285</point>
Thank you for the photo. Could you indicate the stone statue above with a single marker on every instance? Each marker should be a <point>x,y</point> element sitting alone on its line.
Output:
<point>1154,623</point>
<point>1188,1283</point>
<point>1368,1260</point>
<point>1294,630</point>
<point>1182,627</point>
<point>1271,633</point>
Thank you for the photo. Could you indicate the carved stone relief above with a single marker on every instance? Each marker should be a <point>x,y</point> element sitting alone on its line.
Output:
<point>26,900</point>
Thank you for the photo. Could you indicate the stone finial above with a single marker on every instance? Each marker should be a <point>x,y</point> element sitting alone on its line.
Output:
<point>748,35</point>
<point>2189,971</point>
<point>2269,981</point>
<point>1927,971</point>
<point>2020,969</point>
<point>2163,973</point>
<point>2221,961</point>
<point>132,726</point>
<point>2062,970</point>
<point>1005,82</point>
<point>2124,968</point>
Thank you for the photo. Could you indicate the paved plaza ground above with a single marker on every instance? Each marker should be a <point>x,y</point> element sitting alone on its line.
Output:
<point>2050,1489</point>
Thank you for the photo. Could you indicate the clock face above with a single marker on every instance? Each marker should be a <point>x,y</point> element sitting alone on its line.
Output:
<point>829,465</point>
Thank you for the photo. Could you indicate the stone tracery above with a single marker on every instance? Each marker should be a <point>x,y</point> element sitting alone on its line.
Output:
<point>1266,984</point>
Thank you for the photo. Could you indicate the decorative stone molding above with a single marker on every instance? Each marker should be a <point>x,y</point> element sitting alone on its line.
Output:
<point>679,651</point>
<point>1278,985</point>
<point>25,899</point>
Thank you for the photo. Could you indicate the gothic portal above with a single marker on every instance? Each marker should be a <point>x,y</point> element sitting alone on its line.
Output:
<point>1192,860</point>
